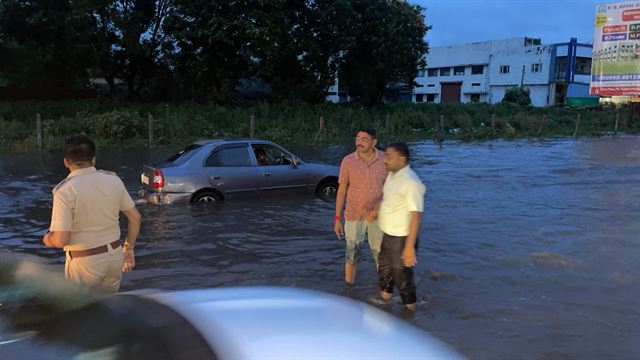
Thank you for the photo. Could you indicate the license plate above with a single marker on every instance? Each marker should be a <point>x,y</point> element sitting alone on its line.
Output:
<point>144,178</point>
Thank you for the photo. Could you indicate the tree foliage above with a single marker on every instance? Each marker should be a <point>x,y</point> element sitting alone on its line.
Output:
<point>43,44</point>
<point>209,46</point>
<point>126,38</point>
<point>387,49</point>
<point>201,49</point>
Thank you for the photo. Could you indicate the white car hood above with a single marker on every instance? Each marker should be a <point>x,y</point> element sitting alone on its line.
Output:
<point>288,323</point>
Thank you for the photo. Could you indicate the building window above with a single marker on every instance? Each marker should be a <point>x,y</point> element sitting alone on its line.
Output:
<point>532,41</point>
<point>477,69</point>
<point>432,72</point>
<point>583,66</point>
<point>431,85</point>
<point>504,69</point>
<point>458,70</point>
<point>536,68</point>
<point>419,98</point>
<point>475,84</point>
<point>421,73</point>
<point>445,71</point>
<point>431,98</point>
<point>475,98</point>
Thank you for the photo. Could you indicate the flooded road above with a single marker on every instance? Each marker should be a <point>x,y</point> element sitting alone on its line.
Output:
<point>528,249</point>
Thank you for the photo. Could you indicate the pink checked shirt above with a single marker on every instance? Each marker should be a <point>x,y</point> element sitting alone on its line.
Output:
<point>364,183</point>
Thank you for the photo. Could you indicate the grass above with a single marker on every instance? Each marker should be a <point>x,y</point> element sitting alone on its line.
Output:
<point>123,124</point>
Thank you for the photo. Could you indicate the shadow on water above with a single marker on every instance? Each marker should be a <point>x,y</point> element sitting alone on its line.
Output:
<point>529,249</point>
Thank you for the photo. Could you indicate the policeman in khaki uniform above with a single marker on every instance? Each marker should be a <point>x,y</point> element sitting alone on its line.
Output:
<point>85,220</point>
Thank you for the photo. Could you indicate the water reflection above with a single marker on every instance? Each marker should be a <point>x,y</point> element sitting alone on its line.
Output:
<point>529,248</point>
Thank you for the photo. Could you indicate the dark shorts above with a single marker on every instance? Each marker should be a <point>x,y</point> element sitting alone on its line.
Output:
<point>392,272</point>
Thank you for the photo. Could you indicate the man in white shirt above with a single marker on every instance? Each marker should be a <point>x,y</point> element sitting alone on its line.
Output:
<point>399,218</point>
<point>85,220</point>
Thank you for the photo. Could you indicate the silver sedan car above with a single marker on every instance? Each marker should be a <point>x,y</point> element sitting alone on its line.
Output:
<point>215,170</point>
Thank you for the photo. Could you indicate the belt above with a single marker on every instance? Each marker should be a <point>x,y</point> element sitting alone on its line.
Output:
<point>94,251</point>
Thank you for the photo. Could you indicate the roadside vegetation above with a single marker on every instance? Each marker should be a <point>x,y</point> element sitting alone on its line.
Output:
<point>202,50</point>
<point>124,124</point>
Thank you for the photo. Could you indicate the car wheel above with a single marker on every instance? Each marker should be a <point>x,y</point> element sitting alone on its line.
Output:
<point>327,189</point>
<point>206,197</point>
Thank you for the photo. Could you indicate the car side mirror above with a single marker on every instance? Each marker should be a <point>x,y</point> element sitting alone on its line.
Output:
<point>295,162</point>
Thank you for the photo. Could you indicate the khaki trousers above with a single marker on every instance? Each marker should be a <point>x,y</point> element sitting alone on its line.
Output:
<point>101,272</point>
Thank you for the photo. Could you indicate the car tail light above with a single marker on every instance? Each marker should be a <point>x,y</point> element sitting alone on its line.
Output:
<point>158,179</point>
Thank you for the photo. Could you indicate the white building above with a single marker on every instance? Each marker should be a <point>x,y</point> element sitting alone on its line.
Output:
<point>483,71</point>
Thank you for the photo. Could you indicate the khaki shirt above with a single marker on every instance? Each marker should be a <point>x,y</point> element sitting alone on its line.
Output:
<point>88,204</point>
<point>402,194</point>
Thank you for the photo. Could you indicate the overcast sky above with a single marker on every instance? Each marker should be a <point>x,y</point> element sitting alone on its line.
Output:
<point>553,21</point>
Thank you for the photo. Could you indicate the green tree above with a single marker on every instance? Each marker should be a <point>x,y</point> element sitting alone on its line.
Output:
<point>127,37</point>
<point>210,46</point>
<point>44,44</point>
<point>200,49</point>
<point>300,49</point>
<point>389,46</point>
<point>294,46</point>
<point>62,43</point>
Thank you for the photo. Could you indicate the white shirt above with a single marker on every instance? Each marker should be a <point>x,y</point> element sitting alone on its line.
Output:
<point>402,194</point>
<point>88,204</point>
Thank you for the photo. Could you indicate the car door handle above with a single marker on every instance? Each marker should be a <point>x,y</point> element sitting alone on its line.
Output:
<point>215,177</point>
<point>266,174</point>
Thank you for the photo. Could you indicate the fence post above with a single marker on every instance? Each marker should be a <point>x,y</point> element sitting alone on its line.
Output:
<point>387,123</point>
<point>321,122</point>
<point>575,132</point>
<point>39,131</point>
<point>441,122</point>
<point>493,121</point>
<point>252,125</point>
<point>615,127</point>
<point>542,121</point>
<point>151,140</point>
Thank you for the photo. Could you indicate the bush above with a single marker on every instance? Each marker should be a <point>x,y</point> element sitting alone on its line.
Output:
<point>517,95</point>
<point>176,124</point>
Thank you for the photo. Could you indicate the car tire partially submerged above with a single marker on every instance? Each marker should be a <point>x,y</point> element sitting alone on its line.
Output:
<point>327,189</point>
<point>206,197</point>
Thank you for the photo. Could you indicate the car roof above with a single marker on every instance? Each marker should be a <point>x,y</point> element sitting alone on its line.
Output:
<point>231,141</point>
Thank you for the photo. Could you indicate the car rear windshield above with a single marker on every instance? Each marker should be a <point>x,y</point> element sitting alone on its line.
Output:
<point>184,154</point>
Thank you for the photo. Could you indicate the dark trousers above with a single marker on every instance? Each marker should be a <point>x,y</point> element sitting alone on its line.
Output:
<point>392,272</point>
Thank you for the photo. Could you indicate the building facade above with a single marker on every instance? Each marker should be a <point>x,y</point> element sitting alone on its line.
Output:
<point>483,71</point>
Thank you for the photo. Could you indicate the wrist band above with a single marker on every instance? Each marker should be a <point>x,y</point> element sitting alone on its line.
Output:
<point>336,218</point>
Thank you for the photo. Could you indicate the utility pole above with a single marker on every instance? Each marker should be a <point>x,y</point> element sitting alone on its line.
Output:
<point>522,78</point>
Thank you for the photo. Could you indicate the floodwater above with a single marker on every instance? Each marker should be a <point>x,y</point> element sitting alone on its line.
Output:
<point>528,249</point>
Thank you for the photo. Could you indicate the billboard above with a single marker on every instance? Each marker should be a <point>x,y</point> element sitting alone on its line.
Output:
<point>615,63</point>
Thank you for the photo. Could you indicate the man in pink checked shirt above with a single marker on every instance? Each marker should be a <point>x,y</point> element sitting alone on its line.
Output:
<point>362,176</point>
